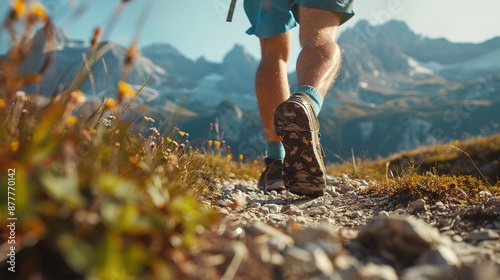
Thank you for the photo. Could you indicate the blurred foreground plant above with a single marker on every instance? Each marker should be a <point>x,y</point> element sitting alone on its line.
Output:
<point>94,197</point>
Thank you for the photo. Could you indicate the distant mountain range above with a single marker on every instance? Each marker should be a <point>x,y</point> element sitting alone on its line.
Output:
<point>396,90</point>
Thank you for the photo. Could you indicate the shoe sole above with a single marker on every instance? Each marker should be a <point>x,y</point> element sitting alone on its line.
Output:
<point>303,168</point>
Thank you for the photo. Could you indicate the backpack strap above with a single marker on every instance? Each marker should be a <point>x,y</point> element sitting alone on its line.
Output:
<point>231,11</point>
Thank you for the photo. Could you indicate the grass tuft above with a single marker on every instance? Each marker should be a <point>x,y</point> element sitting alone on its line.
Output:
<point>435,173</point>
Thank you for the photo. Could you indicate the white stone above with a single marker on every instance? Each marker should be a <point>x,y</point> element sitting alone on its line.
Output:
<point>442,257</point>
<point>322,261</point>
<point>416,206</point>
<point>401,236</point>
<point>379,272</point>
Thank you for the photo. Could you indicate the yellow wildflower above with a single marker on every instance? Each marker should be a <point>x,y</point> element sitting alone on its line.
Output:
<point>2,103</point>
<point>182,133</point>
<point>229,157</point>
<point>134,160</point>
<point>210,142</point>
<point>169,140</point>
<point>111,104</point>
<point>78,96</point>
<point>131,54</point>
<point>217,144</point>
<point>14,146</point>
<point>39,12</point>
<point>72,120</point>
<point>19,8</point>
<point>125,90</point>
<point>241,157</point>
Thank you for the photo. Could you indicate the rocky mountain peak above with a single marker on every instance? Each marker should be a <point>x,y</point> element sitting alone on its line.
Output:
<point>58,34</point>
<point>238,69</point>
<point>397,26</point>
<point>161,49</point>
<point>59,40</point>
<point>237,55</point>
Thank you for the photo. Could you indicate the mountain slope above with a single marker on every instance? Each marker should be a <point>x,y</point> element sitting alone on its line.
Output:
<point>392,57</point>
<point>396,90</point>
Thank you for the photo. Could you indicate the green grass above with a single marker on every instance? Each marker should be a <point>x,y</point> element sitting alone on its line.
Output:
<point>447,172</point>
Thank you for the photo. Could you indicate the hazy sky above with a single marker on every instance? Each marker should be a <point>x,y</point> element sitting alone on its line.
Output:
<point>198,27</point>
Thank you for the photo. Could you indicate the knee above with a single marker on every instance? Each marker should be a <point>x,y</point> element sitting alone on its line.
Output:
<point>275,48</point>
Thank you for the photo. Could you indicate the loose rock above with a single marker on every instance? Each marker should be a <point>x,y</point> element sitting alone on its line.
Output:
<point>416,206</point>
<point>349,235</point>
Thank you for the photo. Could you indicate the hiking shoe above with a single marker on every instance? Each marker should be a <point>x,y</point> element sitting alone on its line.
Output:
<point>272,177</point>
<point>298,129</point>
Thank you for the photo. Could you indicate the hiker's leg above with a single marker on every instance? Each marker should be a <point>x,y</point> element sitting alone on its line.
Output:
<point>320,59</point>
<point>271,81</point>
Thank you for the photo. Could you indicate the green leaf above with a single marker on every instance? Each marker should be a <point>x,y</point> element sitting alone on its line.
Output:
<point>77,253</point>
<point>62,187</point>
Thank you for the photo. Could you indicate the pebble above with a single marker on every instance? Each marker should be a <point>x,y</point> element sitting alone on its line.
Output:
<point>383,214</point>
<point>400,235</point>
<point>345,187</point>
<point>272,208</point>
<point>331,180</point>
<point>348,267</point>
<point>347,235</point>
<point>416,206</point>
<point>422,272</point>
<point>400,211</point>
<point>276,217</point>
<point>439,206</point>
<point>354,214</point>
<point>457,238</point>
<point>446,225</point>
<point>443,257</point>
<point>254,205</point>
<point>262,228</point>
<point>482,235</point>
<point>321,260</point>
<point>332,191</point>
<point>379,272</point>
<point>291,209</point>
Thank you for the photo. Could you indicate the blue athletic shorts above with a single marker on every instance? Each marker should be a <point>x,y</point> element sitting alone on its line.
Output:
<point>273,17</point>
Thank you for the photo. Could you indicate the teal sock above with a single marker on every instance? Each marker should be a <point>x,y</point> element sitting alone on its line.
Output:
<point>316,97</point>
<point>275,150</point>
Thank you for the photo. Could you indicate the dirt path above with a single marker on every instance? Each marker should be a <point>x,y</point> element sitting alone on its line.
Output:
<point>346,235</point>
